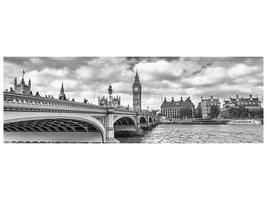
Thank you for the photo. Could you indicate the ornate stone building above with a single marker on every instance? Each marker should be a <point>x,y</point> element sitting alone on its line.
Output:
<point>137,91</point>
<point>177,109</point>
<point>22,88</point>
<point>206,104</point>
<point>251,103</point>
<point>115,102</point>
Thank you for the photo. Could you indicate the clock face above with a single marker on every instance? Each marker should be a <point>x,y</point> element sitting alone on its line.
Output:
<point>136,89</point>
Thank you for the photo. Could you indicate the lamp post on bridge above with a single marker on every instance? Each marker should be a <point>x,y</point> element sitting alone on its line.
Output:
<point>110,95</point>
<point>109,122</point>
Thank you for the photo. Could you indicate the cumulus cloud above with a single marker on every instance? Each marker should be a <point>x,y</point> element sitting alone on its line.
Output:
<point>89,77</point>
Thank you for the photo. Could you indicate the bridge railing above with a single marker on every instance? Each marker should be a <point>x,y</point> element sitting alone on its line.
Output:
<point>12,99</point>
<point>124,111</point>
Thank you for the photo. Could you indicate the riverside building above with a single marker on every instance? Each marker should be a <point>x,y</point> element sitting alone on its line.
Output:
<point>177,109</point>
<point>204,107</point>
<point>104,101</point>
<point>251,103</point>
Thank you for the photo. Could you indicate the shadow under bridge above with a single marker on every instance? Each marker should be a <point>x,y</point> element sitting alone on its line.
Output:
<point>124,124</point>
<point>56,130</point>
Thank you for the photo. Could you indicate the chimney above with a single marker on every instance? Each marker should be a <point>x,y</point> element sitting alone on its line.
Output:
<point>211,97</point>
<point>172,99</point>
<point>237,97</point>
<point>165,100</point>
<point>181,98</point>
<point>250,96</point>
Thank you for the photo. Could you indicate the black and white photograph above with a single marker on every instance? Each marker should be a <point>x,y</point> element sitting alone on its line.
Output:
<point>133,100</point>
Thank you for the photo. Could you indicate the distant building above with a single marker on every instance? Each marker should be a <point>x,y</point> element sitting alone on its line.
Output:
<point>22,88</point>
<point>204,107</point>
<point>104,101</point>
<point>177,109</point>
<point>249,103</point>
<point>62,95</point>
<point>198,113</point>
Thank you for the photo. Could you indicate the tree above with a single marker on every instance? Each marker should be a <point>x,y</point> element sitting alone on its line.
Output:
<point>239,112</point>
<point>214,111</point>
<point>243,112</point>
<point>256,113</point>
<point>185,112</point>
<point>233,112</point>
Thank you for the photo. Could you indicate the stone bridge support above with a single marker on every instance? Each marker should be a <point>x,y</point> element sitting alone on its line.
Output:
<point>137,119</point>
<point>109,126</point>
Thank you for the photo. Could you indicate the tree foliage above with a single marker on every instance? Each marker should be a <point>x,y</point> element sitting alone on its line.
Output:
<point>214,111</point>
<point>186,112</point>
<point>242,112</point>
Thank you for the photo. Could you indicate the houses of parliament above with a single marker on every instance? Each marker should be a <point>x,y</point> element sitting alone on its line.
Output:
<point>23,88</point>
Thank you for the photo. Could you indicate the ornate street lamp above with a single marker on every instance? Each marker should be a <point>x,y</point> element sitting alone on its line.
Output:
<point>110,93</point>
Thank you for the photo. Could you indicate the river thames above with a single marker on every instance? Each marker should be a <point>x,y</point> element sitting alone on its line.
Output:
<point>176,133</point>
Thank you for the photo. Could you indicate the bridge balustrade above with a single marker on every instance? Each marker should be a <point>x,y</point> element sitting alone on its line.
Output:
<point>13,101</point>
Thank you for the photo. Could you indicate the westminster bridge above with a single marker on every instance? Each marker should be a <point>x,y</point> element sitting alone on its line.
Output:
<point>37,119</point>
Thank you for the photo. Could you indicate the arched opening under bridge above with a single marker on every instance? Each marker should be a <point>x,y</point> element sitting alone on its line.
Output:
<point>124,126</point>
<point>54,130</point>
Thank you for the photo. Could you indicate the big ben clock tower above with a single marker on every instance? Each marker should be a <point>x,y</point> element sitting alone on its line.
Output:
<point>137,93</point>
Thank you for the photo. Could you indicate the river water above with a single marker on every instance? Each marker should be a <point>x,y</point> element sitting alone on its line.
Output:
<point>177,133</point>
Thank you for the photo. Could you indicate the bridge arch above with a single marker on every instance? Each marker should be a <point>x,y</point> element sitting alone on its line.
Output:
<point>142,120</point>
<point>79,129</point>
<point>124,120</point>
<point>124,124</point>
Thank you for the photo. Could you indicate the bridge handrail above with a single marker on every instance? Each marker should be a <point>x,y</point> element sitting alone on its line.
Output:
<point>124,110</point>
<point>17,98</point>
<point>12,98</point>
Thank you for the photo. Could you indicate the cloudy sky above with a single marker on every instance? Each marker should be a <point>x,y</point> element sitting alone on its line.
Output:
<point>89,77</point>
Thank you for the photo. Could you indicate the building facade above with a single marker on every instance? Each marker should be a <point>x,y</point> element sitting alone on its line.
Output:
<point>22,87</point>
<point>137,92</point>
<point>251,103</point>
<point>177,109</point>
<point>206,104</point>
<point>115,101</point>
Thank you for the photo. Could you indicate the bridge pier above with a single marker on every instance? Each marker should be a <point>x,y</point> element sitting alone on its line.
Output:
<point>138,125</point>
<point>109,127</point>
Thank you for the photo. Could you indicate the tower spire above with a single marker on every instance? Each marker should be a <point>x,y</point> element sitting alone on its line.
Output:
<point>136,76</point>
<point>62,94</point>
<point>62,88</point>
<point>23,72</point>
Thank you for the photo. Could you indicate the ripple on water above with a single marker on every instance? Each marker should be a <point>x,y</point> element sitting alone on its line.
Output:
<point>176,133</point>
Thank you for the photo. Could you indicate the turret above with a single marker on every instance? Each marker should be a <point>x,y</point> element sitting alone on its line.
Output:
<point>29,84</point>
<point>62,95</point>
<point>22,80</point>
<point>62,89</point>
<point>15,84</point>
